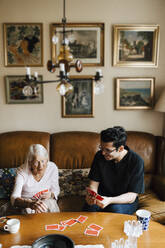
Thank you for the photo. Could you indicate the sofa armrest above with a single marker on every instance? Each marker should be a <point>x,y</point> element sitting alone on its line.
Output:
<point>158,186</point>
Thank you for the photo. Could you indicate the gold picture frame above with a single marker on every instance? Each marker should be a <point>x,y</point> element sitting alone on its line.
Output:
<point>23,44</point>
<point>80,102</point>
<point>88,44</point>
<point>135,45</point>
<point>134,93</point>
<point>14,85</point>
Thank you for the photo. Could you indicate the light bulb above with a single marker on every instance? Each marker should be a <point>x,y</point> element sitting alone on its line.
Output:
<point>27,91</point>
<point>99,87</point>
<point>55,39</point>
<point>71,38</point>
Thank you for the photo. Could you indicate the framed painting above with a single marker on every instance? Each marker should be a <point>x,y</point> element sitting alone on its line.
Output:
<point>86,42</point>
<point>79,103</point>
<point>136,45</point>
<point>135,93</point>
<point>14,91</point>
<point>23,43</point>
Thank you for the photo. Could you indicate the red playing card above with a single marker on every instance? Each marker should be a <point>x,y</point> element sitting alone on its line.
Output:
<point>82,219</point>
<point>91,232</point>
<point>99,197</point>
<point>91,192</point>
<point>71,222</point>
<point>95,227</point>
<point>52,227</point>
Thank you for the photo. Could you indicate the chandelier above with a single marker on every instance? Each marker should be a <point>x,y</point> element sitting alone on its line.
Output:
<point>65,58</point>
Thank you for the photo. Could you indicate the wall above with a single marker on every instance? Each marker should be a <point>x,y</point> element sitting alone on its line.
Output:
<point>47,116</point>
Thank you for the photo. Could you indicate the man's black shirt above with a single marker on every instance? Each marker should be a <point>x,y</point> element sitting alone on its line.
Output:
<point>118,178</point>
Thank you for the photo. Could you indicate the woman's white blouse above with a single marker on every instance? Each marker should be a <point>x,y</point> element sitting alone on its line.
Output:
<point>26,186</point>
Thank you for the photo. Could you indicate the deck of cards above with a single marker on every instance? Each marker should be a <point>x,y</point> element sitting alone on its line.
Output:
<point>39,194</point>
<point>94,194</point>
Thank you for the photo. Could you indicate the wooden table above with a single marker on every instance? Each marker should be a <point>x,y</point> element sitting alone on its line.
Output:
<point>33,227</point>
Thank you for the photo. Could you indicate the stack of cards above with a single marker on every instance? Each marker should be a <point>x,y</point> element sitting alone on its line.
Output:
<point>64,224</point>
<point>93,230</point>
<point>94,194</point>
<point>38,195</point>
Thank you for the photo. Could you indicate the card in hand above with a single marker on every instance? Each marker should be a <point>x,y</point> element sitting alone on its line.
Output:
<point>91,192</point>
<point>81,219</point>
<point>95,227</point>
<point>99,197</point>
<point>91,232</point>
<point>37,195</point>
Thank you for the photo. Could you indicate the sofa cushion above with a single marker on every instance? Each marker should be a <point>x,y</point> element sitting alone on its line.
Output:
<point>7,179</point>
<point>73,181</point>
<point>152,203</point>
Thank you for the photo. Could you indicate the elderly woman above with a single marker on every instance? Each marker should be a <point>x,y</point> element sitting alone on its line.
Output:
<point>36,187</point>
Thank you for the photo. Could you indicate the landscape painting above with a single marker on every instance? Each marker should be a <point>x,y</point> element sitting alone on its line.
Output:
<point>134,93</point>
<point>136,46</point>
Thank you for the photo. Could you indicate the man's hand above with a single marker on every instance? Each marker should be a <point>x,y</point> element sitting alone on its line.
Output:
<point>90,199</point>
<point>104,203</point>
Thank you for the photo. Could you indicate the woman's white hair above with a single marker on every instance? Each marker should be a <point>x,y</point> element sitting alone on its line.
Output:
<point>36,149</point>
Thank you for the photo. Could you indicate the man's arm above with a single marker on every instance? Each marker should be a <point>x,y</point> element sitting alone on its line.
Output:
<point>121,199</point>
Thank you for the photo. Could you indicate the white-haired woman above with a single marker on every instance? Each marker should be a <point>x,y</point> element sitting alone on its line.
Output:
<point>36,187</point>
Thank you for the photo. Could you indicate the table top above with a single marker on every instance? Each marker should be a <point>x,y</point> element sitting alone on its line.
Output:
<point>33,227</point>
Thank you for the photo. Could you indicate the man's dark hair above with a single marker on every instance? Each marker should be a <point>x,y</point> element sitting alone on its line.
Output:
<point>116,134</point>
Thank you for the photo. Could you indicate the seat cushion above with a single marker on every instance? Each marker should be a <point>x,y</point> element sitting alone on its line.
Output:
<point>73,203</point>
<point>152,203</point>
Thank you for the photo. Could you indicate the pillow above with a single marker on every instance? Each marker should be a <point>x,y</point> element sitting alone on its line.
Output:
<point>7,179</point>
<point>80,181</point>
<point>65,182</point>
<point>73,181</point>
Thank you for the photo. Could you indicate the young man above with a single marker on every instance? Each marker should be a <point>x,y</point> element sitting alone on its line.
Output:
<point>117,174</point>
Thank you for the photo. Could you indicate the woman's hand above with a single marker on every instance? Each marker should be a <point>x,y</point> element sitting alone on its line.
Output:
<point>39,206</point>
<point>46,195</point>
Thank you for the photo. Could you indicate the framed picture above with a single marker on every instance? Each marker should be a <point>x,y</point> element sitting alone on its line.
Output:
<point>136,45</point>
<point>14,86</point>
<point>86,42</point>
<point>135,93</point>
<point>23,44</point>
<point>79,103</point>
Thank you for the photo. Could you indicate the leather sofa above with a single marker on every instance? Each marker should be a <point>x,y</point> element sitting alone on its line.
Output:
<point>74,151</point>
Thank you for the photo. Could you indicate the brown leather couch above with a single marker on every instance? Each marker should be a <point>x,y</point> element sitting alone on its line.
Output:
<point>75,150</point>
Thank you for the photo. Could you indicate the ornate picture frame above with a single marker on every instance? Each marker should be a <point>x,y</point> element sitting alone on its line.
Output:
<point>80,102</point>
<point>87,45</point>
<point>135,93</point>
<point>135,45</point>
<point>23,43</point>
<point>14,85</point>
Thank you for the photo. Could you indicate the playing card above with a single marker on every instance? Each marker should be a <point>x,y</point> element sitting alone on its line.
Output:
<point>70,222</point>
<point>95,227</point>
<point>99,197</point>
<point>82,219</point>
<point>64,222</point>
<point>37,195</point>
<point>91,192</point>
<point>52,227</point>
<point>56,227</point>
<point>91,232</point>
